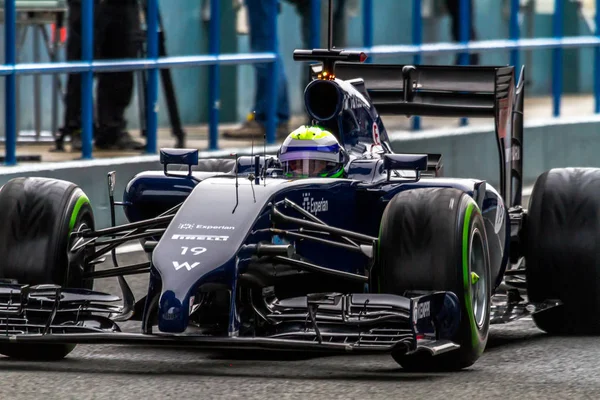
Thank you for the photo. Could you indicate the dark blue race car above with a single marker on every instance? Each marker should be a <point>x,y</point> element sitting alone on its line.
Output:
<point>383,254</point>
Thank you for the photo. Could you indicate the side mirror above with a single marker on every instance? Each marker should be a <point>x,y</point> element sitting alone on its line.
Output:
<point>408,162</point>
<point>187,157</point>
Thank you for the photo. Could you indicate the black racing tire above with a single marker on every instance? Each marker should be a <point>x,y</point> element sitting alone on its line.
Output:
<point>434,239</point>
<point>38,216</point>
<point>562,250</point>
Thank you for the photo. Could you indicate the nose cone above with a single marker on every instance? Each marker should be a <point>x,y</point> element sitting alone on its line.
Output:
<point>202,241</point>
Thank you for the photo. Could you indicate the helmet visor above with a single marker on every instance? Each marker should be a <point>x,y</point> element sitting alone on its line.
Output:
<point>305,168</point>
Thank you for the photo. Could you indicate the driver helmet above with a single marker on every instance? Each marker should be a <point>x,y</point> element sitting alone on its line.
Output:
<point>311,151</point>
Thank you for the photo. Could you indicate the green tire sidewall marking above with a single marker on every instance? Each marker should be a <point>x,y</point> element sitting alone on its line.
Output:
<point>466,280</point>
<point>80,202</point>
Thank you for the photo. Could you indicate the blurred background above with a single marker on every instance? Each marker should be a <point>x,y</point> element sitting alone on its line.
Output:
<point>186,24</point>
<point>218,56</point>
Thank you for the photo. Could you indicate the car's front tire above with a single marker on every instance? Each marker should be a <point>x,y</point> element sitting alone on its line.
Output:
<point>434,239</point>
<point>38,216</point>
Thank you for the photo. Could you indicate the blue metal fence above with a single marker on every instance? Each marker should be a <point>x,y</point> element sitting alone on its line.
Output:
<point>214,78</point>
<point>558,43</point>
<point>87,66</point>
<point>513,44</point>
<point>87,79</point>
<point>417,38</point>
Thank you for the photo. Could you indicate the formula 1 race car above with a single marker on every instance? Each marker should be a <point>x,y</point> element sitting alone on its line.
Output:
<point>391,257</point>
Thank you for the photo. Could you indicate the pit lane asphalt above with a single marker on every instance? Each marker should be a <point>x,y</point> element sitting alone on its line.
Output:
<point>520,362</point>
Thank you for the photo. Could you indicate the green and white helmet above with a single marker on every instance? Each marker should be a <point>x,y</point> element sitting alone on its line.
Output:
<point>310,151</point>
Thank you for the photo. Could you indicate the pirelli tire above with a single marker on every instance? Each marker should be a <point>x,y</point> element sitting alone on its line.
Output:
<point>562,250</point>
<point>434,239</point>
<point>38,216</point>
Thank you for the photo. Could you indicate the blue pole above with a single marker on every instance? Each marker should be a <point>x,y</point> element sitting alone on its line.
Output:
<point>315,24</point>
<point>597,61</point>
<point>464,29</point>
<point>271,89</point>
<point>514,32</point>
<point>557,70</point>
<point>10,28</point>
<point>152,87</point>
<point>87,79</point>
<point>417,38</point>
<point>368,26</point>
<point>214,78</point>
<point>368,23</point>
<point>464,13</point>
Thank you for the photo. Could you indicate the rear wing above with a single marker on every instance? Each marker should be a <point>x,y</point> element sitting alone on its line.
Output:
<point>452,91</point>
<point>431,90</point>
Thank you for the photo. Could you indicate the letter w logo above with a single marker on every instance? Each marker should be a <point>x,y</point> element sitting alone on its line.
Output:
<point>185,264</point>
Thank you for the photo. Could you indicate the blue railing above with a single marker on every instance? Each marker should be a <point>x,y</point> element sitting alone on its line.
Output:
<point>87,66</point>
<point>213,60</point>
<point>513,44</point>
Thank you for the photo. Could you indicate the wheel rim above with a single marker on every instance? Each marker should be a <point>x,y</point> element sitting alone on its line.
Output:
<point>77,258</point>
<point>479,283</point>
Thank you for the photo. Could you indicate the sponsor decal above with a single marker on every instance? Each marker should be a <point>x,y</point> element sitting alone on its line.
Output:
<point>206,227</point>
<point>314,206</point>
<point>196,250</point>
<point>423,310</point>
<point>215,227</point>
<point>213,238</point>
<point>185,265</point>
<point>376,139</point>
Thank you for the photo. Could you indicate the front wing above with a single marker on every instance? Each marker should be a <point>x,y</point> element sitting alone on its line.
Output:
<point>327,322</point>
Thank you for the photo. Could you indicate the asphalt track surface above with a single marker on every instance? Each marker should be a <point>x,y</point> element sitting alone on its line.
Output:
<point>520,362</point>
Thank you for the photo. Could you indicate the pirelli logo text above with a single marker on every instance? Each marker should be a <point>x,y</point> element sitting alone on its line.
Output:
<point>213,238</point>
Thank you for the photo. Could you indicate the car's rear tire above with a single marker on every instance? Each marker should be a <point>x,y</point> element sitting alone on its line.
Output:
<point>434,239</point>
<point>562,252</point>
<point>38,216</point>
